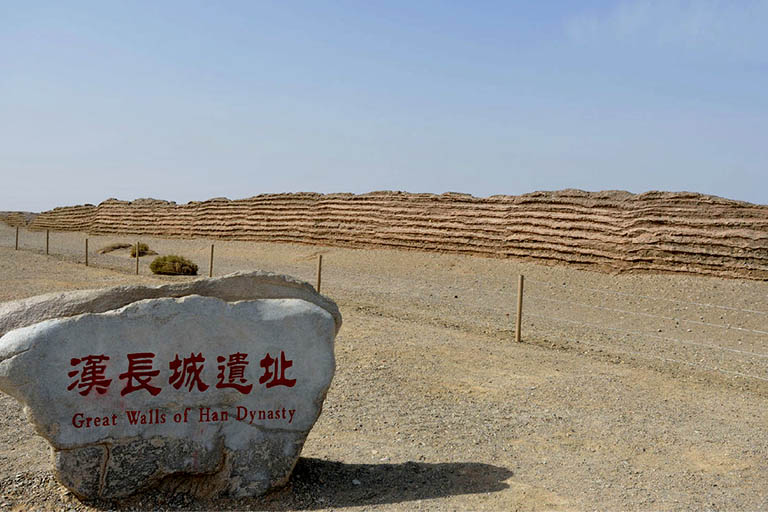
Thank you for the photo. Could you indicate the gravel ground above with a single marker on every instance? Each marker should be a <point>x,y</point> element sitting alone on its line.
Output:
<point>641,392</point>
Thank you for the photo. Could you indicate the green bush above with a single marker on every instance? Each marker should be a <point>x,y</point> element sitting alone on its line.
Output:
<point>173,265</point>
<point>143,250</point>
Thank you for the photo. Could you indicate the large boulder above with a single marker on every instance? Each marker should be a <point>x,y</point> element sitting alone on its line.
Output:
<point>217,380</point>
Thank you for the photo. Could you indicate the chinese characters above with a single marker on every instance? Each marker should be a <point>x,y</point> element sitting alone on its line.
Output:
<point>89,373</point>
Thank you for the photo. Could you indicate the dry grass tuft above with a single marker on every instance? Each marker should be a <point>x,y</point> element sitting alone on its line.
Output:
<point>114,247</point>
<point>144,250</point>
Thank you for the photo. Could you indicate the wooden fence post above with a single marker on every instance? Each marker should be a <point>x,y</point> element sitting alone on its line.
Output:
<point>137,258</point>
<point>319,271</point>
<point>47,238</point>
<point>210,267</point>
<point>17,238</point>
<point>519,319</point>
<point>86,252</point>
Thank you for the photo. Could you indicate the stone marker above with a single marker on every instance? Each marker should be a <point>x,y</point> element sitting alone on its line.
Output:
<point>219,379</point>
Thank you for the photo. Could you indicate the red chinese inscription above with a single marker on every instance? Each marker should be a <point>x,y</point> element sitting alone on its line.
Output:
<point>234,371</point>
<point>139,374</point>
<point>91,374</point>
<point>275,369</point>
<point>187,372</point>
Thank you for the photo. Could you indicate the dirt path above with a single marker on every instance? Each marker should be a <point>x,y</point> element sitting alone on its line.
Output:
<point>433,407</point>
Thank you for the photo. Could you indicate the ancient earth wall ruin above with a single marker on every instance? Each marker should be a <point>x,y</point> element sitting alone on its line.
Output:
<point>66,218</point>
<point>20,219</point>
<point>613,231</point>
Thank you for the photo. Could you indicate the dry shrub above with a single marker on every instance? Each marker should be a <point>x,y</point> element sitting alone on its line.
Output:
<point>173,265</point>
<point>144,250</point>
<point>114,247</point>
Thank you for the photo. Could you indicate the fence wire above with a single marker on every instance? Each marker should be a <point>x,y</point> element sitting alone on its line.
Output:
<point>548,320</point>
<point>670,360</point>
<point>660,299</point>
<point>648,335</point>
<point>619,348</point>
<point>650,315</point>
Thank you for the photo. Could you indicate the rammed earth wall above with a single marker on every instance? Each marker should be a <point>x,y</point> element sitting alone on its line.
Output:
<point>609,231</point>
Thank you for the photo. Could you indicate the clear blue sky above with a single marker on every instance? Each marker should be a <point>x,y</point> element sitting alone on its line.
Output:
<point>188,100</point>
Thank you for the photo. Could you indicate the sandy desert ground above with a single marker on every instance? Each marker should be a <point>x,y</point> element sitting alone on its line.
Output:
<point>629,392</point>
